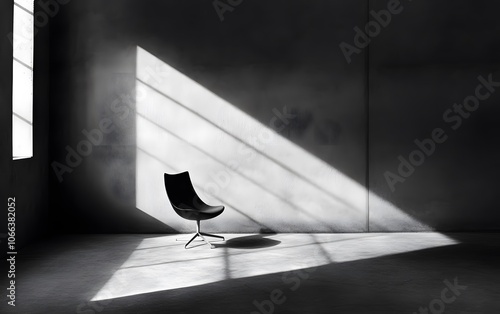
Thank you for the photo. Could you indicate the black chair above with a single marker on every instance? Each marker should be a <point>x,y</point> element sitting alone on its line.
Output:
<point>188,205</point>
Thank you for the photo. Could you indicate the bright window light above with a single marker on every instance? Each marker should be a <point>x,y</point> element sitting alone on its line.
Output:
<point>22,80</point>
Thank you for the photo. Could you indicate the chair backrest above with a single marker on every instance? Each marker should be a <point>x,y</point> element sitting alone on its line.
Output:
<point>180,190</point>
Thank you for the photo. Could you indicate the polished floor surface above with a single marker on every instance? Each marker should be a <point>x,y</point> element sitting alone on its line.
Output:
<point>261,273</point>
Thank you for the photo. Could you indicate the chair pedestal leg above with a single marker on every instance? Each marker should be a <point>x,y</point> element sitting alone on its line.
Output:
<point>194,237</point>
<point>212,235</point>
<point>202,236</point>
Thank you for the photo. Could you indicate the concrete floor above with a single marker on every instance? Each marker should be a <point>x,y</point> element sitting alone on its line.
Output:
<point>280,273</point>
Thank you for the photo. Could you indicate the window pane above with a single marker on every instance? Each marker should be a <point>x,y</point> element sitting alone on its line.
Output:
<point>23,36</point>
<point>27,4</point>
<point>22,79</point>
<point>22,91</point>
<point>22,133</point>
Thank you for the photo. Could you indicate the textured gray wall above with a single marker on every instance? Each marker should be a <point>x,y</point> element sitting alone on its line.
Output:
<point>266,55</point>
<point>428,59</point>
<point>288,56</point>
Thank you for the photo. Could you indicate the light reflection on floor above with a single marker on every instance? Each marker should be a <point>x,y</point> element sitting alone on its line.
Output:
<point>161,263</point>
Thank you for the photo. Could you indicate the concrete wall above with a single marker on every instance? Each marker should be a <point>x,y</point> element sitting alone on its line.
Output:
<point>428,59</point>
<point>213,86</point>
<point>309,177</point>
<point>27,179</point>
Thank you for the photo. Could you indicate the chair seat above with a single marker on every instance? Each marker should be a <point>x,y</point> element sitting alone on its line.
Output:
<point>205,209</point>
<point>203,213</point>
<point>213,210</point>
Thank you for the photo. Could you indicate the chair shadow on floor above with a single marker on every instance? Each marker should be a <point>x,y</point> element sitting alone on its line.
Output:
<point>257,241</point>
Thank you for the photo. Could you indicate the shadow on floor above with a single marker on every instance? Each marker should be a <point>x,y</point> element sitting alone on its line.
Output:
<point>257,241</point>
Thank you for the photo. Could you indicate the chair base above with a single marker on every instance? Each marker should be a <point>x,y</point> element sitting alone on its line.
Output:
<point>202,236</point>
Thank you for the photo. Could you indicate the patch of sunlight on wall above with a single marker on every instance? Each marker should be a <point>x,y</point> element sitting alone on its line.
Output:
<point>264,180</point>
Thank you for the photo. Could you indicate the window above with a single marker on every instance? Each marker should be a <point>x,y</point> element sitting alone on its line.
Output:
<point>22,79</point>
